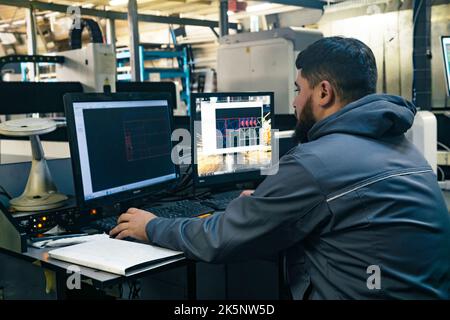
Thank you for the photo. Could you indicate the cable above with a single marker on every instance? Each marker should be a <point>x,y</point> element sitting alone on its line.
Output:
<point>184,188</point>
<point>187,175</point>
<point>181,185</point>
<point>442,173</point>
<point>137,290</point>
<point>176,196</point>
<point>120,291</point>
<point>202,195</point>
<point>439,168</point>
<point>134,289</point>
<point>95,33</point>
<point>129,290</point>
<point>443,146</point>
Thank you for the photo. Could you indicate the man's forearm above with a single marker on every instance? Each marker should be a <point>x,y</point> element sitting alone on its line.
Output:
<point>190,235</point>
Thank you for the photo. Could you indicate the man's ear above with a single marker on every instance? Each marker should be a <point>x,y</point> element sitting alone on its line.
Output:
<point>326,94</point>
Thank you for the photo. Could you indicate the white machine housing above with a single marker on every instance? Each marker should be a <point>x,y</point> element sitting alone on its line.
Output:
<point>423,134</point>
<point>93,65</point>
<point>263,61</point>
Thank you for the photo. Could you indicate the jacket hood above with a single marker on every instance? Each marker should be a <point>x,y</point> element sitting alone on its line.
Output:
<point>375,116</point>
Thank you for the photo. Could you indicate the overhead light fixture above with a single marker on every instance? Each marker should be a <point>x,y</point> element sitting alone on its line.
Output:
<point>115,3</point>
<point>18,22</point>
<point>51,14</point>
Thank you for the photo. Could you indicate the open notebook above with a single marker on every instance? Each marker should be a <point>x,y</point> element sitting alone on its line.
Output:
<point>115,256</point>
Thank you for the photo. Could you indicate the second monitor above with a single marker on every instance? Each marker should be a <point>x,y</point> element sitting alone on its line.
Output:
<point>231,136</point>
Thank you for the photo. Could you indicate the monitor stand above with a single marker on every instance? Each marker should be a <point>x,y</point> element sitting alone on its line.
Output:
<point>40,192</point>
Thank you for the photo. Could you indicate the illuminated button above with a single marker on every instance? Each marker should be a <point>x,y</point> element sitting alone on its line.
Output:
<point>39,225</point>
<point>44,218</point>
<point>93,211</point>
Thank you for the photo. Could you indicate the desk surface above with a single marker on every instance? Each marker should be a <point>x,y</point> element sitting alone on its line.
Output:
<point>99,278</point>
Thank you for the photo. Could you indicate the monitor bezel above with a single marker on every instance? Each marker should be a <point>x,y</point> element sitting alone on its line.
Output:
<point>69,100</point>
<point>447,75</point>
<point>229,178</point>
<point>149,87</point>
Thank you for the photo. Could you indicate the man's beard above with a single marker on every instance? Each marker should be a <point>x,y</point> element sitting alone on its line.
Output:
<point>305,123</point>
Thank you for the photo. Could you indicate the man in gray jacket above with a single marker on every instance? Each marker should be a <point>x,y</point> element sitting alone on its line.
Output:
<point>355,207</point>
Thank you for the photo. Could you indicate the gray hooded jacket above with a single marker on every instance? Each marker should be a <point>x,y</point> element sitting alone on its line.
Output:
<point>357,197</point>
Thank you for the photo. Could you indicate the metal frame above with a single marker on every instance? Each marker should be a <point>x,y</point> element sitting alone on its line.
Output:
<point>115,15</point>
<point>111,33</point>
<point>223,18</point>
<point>31,41</point>
<point>135,57</point>
<point>101,279</point>
<point>182,72</point>
<point>422,54</point>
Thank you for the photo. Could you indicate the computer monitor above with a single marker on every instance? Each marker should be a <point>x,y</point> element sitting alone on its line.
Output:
<point>150,87</point>
<point>446,51</point>
<point>120,146</point>
<point>231,137</point>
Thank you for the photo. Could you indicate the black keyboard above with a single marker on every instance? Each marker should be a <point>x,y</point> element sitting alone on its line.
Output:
<point>220,201</point>
<point>104,224</point>
<point>180,209</point>
<point>175,209</point>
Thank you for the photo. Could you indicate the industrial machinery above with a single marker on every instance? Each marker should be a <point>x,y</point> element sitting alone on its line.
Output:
<point>263,61</point>
<point>19,227</point>
<point>94,66</point>
<point>423,134</point>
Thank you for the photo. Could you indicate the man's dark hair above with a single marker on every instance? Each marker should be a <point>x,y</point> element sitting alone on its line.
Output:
<point>348,64</point>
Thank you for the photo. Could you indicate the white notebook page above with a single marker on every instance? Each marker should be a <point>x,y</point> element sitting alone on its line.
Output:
<point>111,255</point>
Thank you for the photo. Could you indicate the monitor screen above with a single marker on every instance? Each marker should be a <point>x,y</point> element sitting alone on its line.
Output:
<point>121,146</point>
<point>231,136</point>
<point>446,50</point>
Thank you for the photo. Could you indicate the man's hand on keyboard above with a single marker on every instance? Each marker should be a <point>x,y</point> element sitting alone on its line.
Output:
<point>132,224</point>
